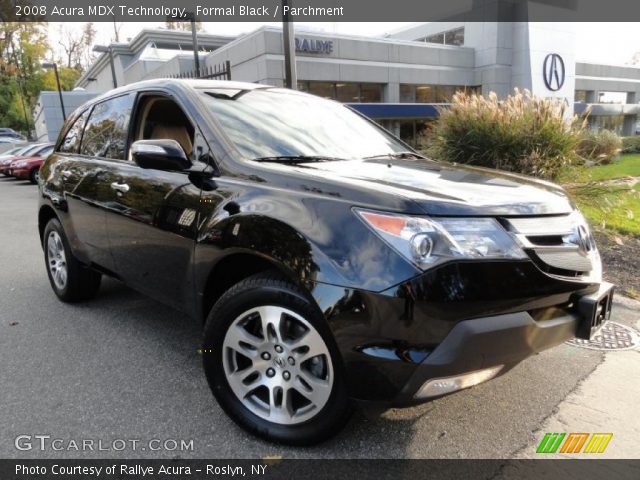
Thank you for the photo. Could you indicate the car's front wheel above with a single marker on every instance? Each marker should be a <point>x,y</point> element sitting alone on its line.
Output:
<point>33,176</point>
<point>273,364</point>
<point>70,280</point>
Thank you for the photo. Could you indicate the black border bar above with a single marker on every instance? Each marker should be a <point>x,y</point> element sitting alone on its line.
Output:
<point>322,10</point>
<point>268,469</point>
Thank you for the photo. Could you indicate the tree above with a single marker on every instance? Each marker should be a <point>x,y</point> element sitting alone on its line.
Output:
<point>88,39</point>
<point>183,26</point>
<point>71,44</point>
<point>23,46</point>
<point>77,45</point>
<point>68,77</point>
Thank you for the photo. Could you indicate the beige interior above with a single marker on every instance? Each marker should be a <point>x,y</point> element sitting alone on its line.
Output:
<point>179,133</point>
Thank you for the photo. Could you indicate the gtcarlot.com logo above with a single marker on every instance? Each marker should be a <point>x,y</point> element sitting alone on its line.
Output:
<point>43,443</point>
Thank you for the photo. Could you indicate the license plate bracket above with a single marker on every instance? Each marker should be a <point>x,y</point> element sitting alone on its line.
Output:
<point>595,310</point>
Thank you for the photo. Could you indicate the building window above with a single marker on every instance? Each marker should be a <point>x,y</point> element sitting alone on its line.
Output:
<point>436,38</point>
<point>434,93</point>
<point>614,123</point>
<point>612,97</point>
<point>346,92</point>
<point>580,96</point>
<point>454,37</point>
<point>407,93</point>
<point>416,132</point>
<point>371,92</point>
<point>450,37</point>
<point>322,89</point>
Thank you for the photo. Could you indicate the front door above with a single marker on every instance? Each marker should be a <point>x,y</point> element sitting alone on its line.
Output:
<point>152,215</point>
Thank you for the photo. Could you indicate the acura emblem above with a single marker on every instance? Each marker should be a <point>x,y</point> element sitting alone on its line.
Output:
<point>584,240</point>
<point>553,72</point>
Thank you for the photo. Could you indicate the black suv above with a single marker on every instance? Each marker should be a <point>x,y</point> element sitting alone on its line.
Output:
<point>328,261</point>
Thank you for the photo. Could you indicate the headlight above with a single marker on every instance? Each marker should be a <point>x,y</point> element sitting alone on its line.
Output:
<point>19,164</point>
<point>427,241</point>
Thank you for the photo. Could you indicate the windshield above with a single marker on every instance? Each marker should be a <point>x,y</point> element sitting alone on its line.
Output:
<point>267,123</point>
<point>30,149</point>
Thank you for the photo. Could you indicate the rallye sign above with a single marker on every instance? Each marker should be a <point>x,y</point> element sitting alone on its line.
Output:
<point>306,45</point>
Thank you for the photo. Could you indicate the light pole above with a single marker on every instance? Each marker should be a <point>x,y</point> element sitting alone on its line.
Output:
<point>291,76</point>
<point>191,16</point>
<point>55,70</point>
<point>103,49</point>
<point>20,81</point>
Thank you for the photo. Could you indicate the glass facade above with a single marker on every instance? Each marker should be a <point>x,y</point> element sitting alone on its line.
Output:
<point>346,92</point>
<point>612,97</point>
<point>416,132</point>
<point>450,37</point>
<point>614,123</point>
<point>580,96</point>
<point>433,93</point>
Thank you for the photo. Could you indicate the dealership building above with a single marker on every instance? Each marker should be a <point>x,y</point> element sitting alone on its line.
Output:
<point>400,79</point>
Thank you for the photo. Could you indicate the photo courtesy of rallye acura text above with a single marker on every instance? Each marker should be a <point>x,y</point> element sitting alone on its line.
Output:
<point>328,262</point>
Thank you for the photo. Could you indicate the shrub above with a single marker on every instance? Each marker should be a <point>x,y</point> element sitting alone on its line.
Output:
<point>599,146</point>
<point>521,133</point>
<point>631,144</point>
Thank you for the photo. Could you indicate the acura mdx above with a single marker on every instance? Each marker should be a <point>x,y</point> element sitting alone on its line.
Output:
<point>327,260</point>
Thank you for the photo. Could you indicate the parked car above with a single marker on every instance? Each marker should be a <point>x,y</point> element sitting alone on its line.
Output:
<point>328,261</point>
<point>25,150</point>
<point>10,133</point>
<point>26,167</point>
<point>12,152</point>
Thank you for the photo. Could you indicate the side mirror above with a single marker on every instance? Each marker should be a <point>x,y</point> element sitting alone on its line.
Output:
<point>160,155</point>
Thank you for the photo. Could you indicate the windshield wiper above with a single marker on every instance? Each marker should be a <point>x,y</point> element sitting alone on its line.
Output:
<point>397,155</point>
<point>297,159</point>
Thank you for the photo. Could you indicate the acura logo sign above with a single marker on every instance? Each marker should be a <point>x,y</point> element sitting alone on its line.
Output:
<point>584,239</point>
<point>553,72</point>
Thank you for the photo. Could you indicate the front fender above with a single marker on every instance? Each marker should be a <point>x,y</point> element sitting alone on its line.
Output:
<point>315,238</point>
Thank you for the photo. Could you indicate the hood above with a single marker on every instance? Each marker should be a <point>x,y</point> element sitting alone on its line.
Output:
<point>447,189</point>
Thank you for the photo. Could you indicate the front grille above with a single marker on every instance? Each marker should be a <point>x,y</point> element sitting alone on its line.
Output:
<point>561,245</point>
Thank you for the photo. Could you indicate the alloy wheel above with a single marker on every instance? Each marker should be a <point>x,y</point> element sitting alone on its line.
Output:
<point>57,260</point>
<point>277,365</point>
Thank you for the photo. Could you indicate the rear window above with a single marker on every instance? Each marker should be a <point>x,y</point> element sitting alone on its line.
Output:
<point>105,134</point>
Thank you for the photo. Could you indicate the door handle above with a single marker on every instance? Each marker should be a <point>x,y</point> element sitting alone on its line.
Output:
<point>120,187</point>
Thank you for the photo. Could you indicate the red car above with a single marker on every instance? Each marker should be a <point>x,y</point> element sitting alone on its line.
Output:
<point>27,167</point>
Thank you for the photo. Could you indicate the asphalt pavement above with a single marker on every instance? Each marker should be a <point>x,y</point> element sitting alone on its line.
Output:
<point>124,367</point>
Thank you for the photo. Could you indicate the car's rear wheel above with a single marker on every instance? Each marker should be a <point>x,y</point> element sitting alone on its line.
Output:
<point>272,362</point>
<point>71,280</point>
<point>33,176</point>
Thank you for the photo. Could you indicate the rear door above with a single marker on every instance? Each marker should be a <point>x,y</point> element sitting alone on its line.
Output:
<point>71,184</point>
<point>152,220</point>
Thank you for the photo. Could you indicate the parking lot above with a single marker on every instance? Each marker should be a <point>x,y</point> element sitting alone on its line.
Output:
<point>125,367</point>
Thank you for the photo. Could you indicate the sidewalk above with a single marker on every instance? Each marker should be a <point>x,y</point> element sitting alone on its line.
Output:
<point>608,401</point>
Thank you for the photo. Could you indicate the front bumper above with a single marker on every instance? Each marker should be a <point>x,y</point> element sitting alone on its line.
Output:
<point>474,345</point>
<point>461,318</point>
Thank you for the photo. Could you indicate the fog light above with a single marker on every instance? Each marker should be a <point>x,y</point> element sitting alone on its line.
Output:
<point>441,386</point>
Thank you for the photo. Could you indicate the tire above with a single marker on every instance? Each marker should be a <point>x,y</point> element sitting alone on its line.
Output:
<point>33,176</point>
<point>70,280</point>
<point>316,379</point>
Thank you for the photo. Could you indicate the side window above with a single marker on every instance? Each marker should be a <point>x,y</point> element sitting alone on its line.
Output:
<point>105,134</point>
<point>71,142</point>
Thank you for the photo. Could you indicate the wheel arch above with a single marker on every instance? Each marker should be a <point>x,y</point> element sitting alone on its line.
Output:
<point>233,268</point>
<point>45,214</point>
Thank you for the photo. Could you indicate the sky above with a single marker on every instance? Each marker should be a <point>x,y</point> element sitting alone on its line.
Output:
<point>609,43</point>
